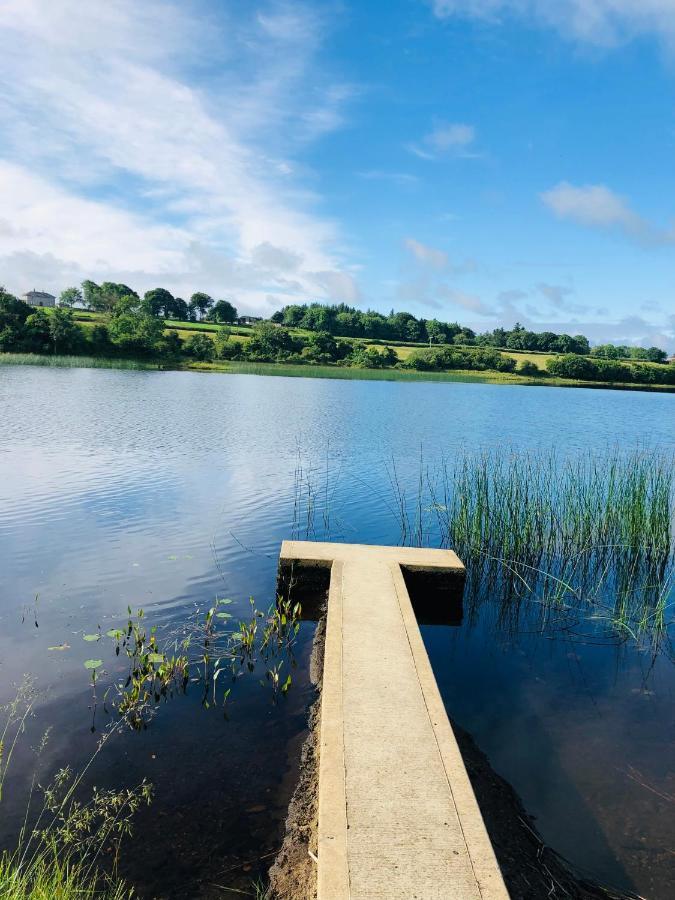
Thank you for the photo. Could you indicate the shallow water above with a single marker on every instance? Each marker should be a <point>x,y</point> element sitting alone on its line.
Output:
<point>165,489</point>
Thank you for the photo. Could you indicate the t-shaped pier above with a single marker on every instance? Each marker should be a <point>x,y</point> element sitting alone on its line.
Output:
<point>398,819</point>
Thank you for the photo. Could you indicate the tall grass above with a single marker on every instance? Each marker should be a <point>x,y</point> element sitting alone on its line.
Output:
<point>589,538</point>
<point>72,362</point>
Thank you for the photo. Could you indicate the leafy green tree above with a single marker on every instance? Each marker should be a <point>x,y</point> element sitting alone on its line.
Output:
<point>13,314</point>
<point>655,354</point>
<point>180,310</point>
<point>170,346</point>
<point>37,336</point>
<point>66,335</point>
<point>199,305</point>
<point>270,342</point>
<point>99,340</point>
<point>436,333</point>
<point>136,333</point>
<point>200,347</point>
<point>529,368</point>
<point>223,311</point>
<point>222,343</point>
<point>292,315</point>
<point>70,296</point>
<point>158,302</point>
<point>105,297</point>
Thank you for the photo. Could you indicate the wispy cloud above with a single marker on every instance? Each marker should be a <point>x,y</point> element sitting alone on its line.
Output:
<point>427,255</point>
<point>599,22</point>
<point>447,138</point>
<point>120,155</point>
<point>597,206</point>
<point>402,178</point>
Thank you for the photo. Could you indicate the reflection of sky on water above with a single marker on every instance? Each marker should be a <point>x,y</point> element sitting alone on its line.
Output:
<point>162,490</point>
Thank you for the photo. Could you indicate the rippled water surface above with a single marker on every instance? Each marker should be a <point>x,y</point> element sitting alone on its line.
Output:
<point>163,490</point>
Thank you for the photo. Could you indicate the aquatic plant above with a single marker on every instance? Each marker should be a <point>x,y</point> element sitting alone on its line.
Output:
<point>590,534</point>
<point>206,650</point>
<point>72,362</point>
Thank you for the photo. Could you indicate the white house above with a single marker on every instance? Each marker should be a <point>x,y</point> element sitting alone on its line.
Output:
<point>39,298</point>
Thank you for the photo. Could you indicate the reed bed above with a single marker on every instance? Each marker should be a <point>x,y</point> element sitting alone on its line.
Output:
<point>586,541</point>
<point>72,362</point>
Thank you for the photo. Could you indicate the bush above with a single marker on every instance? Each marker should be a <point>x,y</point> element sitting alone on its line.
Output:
<point>573,366</point>
<point>530,369</point>
<point>200,347</point>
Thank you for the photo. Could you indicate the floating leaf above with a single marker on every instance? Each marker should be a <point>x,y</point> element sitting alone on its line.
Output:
<point>223,615</point>
<point>115,633</point>
<point>156,657</point>
<point>93,663</point>
<point>91,637</point>
<point>63,646</point>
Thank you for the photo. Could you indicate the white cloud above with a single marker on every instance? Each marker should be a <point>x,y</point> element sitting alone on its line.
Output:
<point>426,255</point>
<point>596,206</point>
<point>599,22</point>
<point>105,111</point>
<point>446,138</point>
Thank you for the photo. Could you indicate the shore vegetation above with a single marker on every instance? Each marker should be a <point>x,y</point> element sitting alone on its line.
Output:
<point>119,329</point>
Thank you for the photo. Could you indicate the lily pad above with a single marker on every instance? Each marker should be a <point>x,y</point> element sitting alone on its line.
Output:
<point>93,663</point>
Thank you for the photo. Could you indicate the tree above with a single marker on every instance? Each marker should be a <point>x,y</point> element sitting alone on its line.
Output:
<point>654,354</point>
<point>199,305</point>
<point>436,332</point>
<point>158,302</point>
<point>66,335</point>
<point>13,314</point>
<point>170,346</point>
<point>136,333</point>
<point>37,335</point>
<point>180,310</point>
<point>224,312</point>
<point>270,342</point>
<point>105,297</point>
<point>70,296</point>
<point>321,347</point>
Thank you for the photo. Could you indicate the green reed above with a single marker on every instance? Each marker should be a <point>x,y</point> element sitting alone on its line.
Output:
<point>589,534</point>
<point>72,362</point>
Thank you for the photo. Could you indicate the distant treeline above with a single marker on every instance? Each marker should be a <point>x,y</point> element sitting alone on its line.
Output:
<point>112,297</point>
<point>134,328</point>
<point>346,321</point>
<point>569,365</point>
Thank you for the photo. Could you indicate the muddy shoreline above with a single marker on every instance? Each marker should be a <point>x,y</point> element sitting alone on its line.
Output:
<point>531,869</point>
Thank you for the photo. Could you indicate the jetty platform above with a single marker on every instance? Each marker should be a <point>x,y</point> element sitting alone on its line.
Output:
<point>398,819</point>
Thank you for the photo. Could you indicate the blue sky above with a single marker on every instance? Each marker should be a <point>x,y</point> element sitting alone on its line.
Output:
<point>480,160</point>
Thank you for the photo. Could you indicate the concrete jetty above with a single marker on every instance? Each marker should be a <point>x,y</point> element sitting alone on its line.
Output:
<point>398,819</point>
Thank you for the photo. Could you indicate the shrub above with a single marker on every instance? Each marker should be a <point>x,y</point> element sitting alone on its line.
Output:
<point>573,366</point>
<point>200,347</point>
<point>529,369</point>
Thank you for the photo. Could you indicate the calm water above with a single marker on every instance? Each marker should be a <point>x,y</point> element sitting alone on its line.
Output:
<point>163,490</point>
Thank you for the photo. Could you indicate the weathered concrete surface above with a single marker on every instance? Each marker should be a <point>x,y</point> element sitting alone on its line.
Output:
<point>397,815</point>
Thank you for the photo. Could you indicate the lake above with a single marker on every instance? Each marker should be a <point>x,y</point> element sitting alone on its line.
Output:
<point>165,490</point>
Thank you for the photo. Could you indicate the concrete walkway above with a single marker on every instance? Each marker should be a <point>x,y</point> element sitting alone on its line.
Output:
<point>397,815</point>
